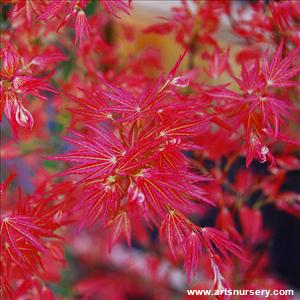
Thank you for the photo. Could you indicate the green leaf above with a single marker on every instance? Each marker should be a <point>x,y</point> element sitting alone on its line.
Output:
<point>49,164</point>
<point>91,8</point>
<point>67,67</point>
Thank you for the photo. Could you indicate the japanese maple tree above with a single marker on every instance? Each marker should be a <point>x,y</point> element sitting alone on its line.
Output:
<point>125,177</point>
